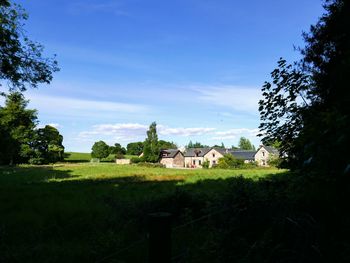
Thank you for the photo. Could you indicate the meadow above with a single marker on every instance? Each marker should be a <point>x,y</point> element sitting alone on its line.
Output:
<point>84,211</point>
<point>98,212</point>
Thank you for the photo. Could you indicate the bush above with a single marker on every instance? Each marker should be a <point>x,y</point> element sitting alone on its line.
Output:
<point>274,161</point>
<point>119,156</point>
<point>36,160</point>
<point>110,159</point>
<point>229,161</point>
<point>205,164</point>
<point>136,160</point>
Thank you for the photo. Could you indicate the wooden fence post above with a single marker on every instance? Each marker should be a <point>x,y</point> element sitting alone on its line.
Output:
<point>159,250</point>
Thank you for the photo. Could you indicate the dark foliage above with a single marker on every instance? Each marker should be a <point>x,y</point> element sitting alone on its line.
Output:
<point>134,148</point>
<point>22,63</point>
<point>306,107</point>
<point>151,150</point>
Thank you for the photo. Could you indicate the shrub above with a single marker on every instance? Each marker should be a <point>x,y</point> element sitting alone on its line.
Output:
<point>119,156</point>
<point>36,160</point>
<point>205,164</point>
<point>274,161</point>
<point>136,160</point>
<point>229,161</point>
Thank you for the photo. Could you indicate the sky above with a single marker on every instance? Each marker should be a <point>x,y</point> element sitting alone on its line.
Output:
<point>196,67</point>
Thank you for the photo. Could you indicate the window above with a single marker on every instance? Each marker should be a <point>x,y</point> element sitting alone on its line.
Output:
<point>263,153</point>
<point>213,155</point>
<point>214,162</point>
<point>194,162</point>
<point>199,162</point>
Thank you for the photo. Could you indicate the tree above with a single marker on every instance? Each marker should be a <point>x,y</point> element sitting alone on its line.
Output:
<point>222,146</point>
<point>196,145</point>
<point>117,149</point>
<point>48,146</point>
<point>245,144</point>
<point>17,129</point>
<point>151,149</point>
<point>134,148</point>
<point>21,60</point>
<point>166,145</point>
<point>306,107</point>
<point>100,150</point>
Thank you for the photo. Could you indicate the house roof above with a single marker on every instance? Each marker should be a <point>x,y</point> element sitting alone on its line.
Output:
<point>270,149</point>
<point>191,152</point>
<point>243,154</point>
<point>171,153</point>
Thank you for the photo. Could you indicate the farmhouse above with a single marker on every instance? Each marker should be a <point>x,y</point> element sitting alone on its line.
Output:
<point>195,157</point>
<point>264,153</point>
<point>172,158</point>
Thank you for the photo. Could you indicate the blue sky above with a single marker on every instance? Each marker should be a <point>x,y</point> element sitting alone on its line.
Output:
<point>194,66</point>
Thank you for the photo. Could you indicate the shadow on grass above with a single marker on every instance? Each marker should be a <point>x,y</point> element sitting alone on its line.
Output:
<point>68,159</point>
<point>281,218</point>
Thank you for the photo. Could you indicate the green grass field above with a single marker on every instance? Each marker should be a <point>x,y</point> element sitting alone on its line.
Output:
<point>82,212</point>
<point>77,157</point>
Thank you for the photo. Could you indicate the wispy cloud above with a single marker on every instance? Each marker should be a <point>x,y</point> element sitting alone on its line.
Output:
<point>121,130</point>
<point>163,130</point>
<point>134,131</point>
<point>241,99</point>
<point>89,7</point>
<point>235,133</point>
<point>74,108</point>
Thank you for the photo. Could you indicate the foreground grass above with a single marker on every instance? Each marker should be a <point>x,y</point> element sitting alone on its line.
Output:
<point>66,210</point>
<point>88,212</point>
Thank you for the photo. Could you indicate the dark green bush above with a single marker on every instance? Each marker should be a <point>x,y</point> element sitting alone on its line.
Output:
<point>229,161</point>
<point>136,160</point>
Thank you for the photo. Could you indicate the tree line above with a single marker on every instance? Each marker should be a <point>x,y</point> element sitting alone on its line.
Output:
<point>20,139</point>
<point>23,65</point>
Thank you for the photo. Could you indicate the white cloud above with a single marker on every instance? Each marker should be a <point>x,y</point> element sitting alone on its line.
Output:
<point>242,99</point>
<point>235,133</point>
<point>163,130</point>
<point>77,108</point>
<point>121,130</point>
<point>135,131</point>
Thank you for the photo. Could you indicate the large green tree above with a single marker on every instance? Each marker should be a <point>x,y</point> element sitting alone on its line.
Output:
<point>117,149</point>
<point>245,144</point>
<point>134,148</point>
<point>306,105</point>
<point>22,62</point>
<point>100,150</point>
<point>17,125</point>
<point>151,149</point>
<point>47,145</point>
<point>166,145</point>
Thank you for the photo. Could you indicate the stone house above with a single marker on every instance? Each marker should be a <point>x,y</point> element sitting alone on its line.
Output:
<point>172,158</point>
<point>264,153</point>
<point>195,157</point>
